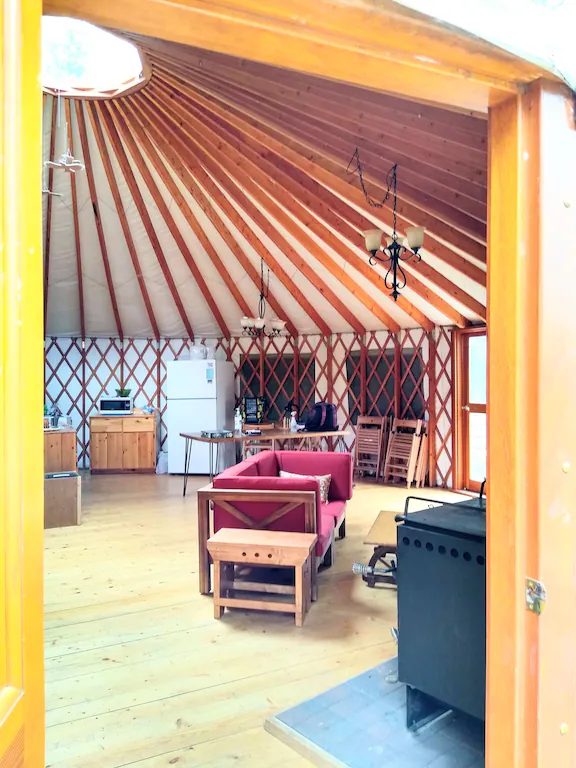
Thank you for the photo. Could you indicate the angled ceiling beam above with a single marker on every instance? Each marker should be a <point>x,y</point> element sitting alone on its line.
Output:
<point>96,210</point>
<point>103,149</point>
<point>174,155</point>
<point>342,40</point>
<point>335,213</point>
<point>341,216</point>
<point>382,145</point>
<point>427,175</point>
<point>76,223</point>
<point>343,92</point>
<point>227,162</point>
<point>356,103</point>
<point>127,110</point>
<point>202,158</point>
<point>332,176</point>
<point>144,215</point>
<point>126,134</point>
<point>299,202</point>
<point>184,172</point>
<point>49,211</point>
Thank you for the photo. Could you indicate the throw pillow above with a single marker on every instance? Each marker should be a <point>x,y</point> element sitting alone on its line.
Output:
<point>324,481</point>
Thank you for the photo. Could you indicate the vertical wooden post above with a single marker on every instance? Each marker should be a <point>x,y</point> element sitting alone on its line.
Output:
<point>362,376</point>
<point>432,408</point>
<point>84,446</point>
<point>531,707</point>
<point>296,364</point>
<point>397,377</point>
<point>330,368</point>
<point>261,369</point>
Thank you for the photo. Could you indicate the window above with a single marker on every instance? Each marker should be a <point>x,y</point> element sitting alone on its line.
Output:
<point>79,58</point>
<point>380,384</point>
<point>279,382</point>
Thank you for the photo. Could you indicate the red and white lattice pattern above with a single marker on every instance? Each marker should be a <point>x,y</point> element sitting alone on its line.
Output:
<point>443,410</point>
<point>63,372</point>
<point>360,375</point>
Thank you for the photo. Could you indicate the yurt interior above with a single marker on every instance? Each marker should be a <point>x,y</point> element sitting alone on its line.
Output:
<point>294,509</point>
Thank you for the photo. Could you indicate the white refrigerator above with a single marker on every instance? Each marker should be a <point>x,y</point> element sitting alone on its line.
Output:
<point>200,395</point>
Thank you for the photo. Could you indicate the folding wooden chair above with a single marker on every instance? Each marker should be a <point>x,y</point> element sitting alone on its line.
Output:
<point>402,453</point>
<point>369,445</point>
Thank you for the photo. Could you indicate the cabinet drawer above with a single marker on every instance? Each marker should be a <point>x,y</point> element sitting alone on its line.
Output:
<point>101,424</point>
<point>138,424</point>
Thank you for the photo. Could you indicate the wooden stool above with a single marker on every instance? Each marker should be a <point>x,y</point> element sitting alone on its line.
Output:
<point>246,546</point>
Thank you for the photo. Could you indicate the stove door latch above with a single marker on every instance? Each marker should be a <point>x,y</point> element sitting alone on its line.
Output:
<point>535,596</point>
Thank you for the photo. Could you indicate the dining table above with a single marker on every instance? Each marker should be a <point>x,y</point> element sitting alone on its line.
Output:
<point>277,439</point>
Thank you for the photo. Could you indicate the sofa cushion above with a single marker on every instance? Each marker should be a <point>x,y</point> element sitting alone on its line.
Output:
<point>324,481</point>
<point>337,509</point>
<point>339,465</point>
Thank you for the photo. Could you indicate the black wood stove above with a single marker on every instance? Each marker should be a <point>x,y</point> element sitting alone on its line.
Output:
<point>441,580</point>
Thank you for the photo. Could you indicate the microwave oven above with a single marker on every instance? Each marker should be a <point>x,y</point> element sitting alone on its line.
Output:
<point>115,406</point>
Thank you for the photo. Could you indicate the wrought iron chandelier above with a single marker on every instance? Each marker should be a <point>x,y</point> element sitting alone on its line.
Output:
<point>395,251</point>
<point>256,326</point>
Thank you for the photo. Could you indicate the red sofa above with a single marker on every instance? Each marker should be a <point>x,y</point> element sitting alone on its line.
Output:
<point>261,473</point>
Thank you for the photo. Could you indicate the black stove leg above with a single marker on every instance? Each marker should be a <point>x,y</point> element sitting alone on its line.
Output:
<point>421,709</point>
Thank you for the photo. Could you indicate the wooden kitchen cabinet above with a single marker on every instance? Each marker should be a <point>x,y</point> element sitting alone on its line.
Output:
<point>60,450</point>
<point>123,443</point>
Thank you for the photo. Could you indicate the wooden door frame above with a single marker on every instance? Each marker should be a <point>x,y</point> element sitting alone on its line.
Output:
<point>21,388</point>
<point>460,384</point>
<point>531,520</point>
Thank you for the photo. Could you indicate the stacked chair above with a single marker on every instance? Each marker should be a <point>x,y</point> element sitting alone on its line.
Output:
<point>371,443</point>
<point>407,453</point>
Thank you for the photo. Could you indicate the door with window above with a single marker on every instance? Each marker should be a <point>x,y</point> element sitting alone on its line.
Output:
<point>471,403</point>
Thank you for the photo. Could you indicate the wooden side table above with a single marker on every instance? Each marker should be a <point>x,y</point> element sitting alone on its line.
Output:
<point>245,546</point>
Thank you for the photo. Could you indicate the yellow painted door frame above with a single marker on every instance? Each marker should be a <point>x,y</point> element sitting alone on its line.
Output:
<point>21,388</point>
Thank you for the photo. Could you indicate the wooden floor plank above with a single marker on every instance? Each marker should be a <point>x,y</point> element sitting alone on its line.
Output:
<point>138,671</point>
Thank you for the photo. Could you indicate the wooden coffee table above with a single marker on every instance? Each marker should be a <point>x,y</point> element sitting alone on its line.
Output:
<point>230,547</point>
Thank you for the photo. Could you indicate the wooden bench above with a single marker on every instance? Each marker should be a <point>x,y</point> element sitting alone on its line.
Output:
<point>232,547</point>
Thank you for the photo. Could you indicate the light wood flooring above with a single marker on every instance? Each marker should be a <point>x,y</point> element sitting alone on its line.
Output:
<point>138,672</point>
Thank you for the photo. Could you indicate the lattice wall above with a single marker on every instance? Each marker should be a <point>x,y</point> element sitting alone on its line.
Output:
<point>377,375</point>
<point>443,409</point>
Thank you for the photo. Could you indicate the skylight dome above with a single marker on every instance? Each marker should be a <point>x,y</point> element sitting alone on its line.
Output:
<point>81,59</point>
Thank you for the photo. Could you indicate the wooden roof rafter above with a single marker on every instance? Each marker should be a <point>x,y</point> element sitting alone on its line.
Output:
<point>113,184</point>
<point>77,239</point>
<point>136,154</point>
<point>333,176</point>
<point>424,173</point>
<point>299,202</point>
<point>183,169</point>
<point>49,210</point>
<point>127,110</point>
<point>221,169</point>
<point>454,236</point>
<point>130,178</point>
<point>97,217</point>
<point>336,211</point>
<point>293,202</point>
<point>239,157</point>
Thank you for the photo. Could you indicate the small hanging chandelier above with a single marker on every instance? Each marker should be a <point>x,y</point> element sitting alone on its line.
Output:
<point>256,326</point>
<point>395,251</point>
